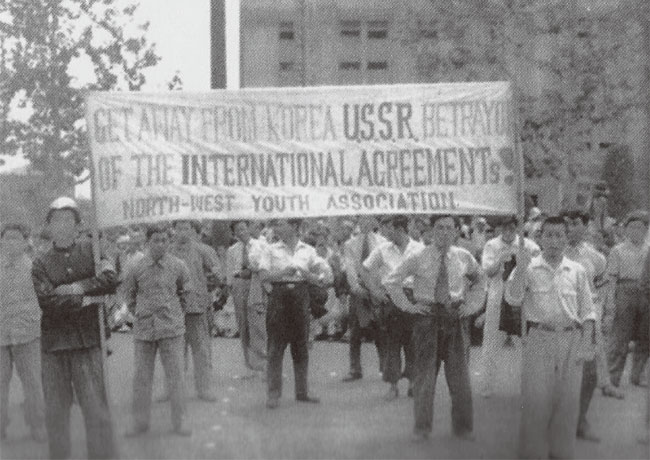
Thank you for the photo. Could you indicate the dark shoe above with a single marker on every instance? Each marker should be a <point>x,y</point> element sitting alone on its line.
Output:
<point>638,383</point>
<point>611,392</point>
<point>308,399</point>
<point>208,397</point>
<point>136,431</point>
<point>419,436</point>
<point>39,435</point>
<point>352,376</point>
<point>272,403</point>
<point>392,394</point>
<point>509,343</point>
<point>584,432</point>
<point>182,430</point>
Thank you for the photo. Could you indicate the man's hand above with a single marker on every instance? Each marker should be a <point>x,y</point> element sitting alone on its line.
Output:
<point>69,289</point>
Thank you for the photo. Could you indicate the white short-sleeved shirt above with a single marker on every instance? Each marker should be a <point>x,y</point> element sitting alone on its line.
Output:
<point>387,256</point>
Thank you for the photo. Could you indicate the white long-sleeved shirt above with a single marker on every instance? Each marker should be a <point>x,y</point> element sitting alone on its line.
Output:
<point>556,297</point>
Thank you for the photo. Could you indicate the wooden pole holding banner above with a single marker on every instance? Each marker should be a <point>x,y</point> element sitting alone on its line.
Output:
<point>97,254</point>
<point>519,176</point>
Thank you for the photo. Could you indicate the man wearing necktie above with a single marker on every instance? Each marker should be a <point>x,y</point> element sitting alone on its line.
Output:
<point>448,287</point>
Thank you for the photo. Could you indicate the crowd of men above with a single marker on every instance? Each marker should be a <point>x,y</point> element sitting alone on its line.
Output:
<point>576,290</point>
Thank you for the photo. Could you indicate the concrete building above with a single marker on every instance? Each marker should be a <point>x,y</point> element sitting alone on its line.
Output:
<point>340,42</point>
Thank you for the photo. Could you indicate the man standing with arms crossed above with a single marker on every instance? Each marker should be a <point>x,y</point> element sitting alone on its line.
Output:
<point>399,324</point>
<point>558,315</point>
<point>448,287</point>
<point>65,279</point>
<point>361,317</point>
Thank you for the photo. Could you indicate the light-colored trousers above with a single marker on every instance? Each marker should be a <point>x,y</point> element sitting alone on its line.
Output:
<point>550,391</point>
<point>171,355</point>
<point>26,357</point>
<point>250,310</point>
<point>493,338</point>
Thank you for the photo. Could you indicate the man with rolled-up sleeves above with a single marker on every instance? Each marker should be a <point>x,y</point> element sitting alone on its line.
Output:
<point>448,287</point>
<point>289,265</point>
<point>559,318</point>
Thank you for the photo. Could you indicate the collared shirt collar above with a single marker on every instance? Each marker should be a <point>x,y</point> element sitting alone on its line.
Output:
<point>299,244</point>
<point>160,262</point>
<point>540,262</point>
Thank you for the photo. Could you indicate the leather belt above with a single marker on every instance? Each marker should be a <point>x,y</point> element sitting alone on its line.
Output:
<point>90,300</point>
<point>549,328</point>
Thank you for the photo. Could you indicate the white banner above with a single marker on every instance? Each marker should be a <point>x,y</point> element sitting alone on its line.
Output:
<point>301,152</point>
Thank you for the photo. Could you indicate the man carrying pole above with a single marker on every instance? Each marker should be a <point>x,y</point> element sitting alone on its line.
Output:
<point>65,279</point>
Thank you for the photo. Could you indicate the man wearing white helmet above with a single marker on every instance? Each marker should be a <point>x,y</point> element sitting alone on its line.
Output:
<point>65,280</point>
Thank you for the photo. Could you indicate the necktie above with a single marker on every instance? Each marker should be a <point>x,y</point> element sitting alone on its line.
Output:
<point>441,292</point>
<point>365,248</point>
<point>244,257</point>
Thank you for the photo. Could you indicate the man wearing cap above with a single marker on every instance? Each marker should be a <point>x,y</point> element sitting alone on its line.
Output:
<point>289,265</point>
<point>497,253</point>
<point>448,287</point>
<point>66,283</point>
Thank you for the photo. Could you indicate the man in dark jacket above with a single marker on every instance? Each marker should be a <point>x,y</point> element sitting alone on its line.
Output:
<point>66,284</point>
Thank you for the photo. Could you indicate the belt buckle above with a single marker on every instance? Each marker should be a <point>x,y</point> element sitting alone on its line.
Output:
<point>291,285</point>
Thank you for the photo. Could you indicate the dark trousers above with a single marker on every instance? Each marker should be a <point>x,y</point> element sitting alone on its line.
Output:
<point>81,369</point>
<point>373,329</point>
<point>399,328</point>
<point>171,356</point>
<point>198,340</point>
<point>437,339</point>
<point>628,317</point>
<point>589,383</point>
<point>287,323</point>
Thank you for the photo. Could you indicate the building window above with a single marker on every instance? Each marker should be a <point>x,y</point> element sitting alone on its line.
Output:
<point>378,65</point>
<point>287,66</point>
<point>377,30</point>
<point>286,30</point>
<point>351,29</point>
<point>350,65</point>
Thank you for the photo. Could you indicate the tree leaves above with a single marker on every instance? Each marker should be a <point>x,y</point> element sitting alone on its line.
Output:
<point>40,43</point>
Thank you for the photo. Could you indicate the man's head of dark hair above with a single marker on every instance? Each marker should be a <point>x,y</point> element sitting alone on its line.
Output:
<point>234,224</point>
<point>636,216</point>
<point>196,225</point>
<point>400,222</point>
<point>553,220</point>
<point>295,223</point>
<point>14,227</point>
<point>509,220</point>
<point>156,228</point>
<point>574,214</point>
<point>436,217</point>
